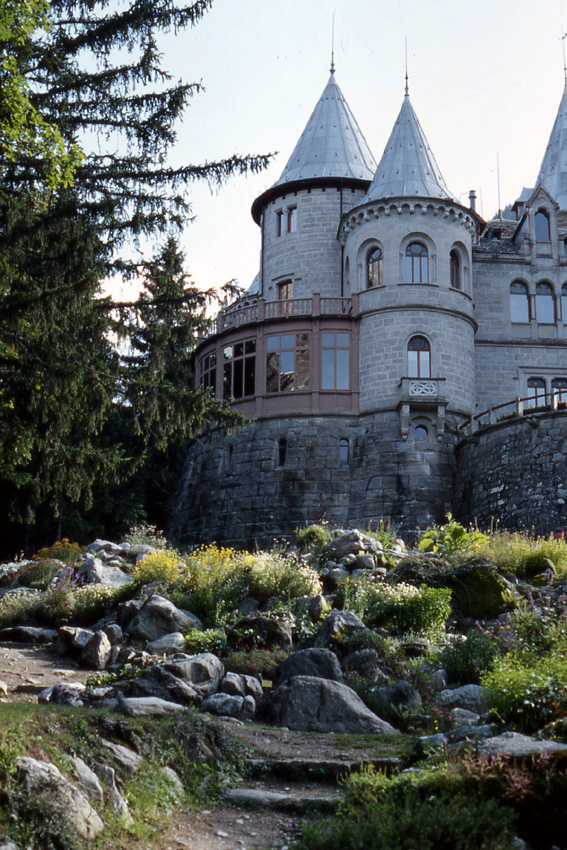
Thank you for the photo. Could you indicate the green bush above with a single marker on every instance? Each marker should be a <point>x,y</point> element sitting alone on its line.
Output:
<point>271,574</point>
<point>529,692</point>
<point>313,537</point>
<point>164,566</point>
<point>465,661</point>
<point>211,640</point>
<point>523,556</point>
<point>400,608</point>
<point>146,535</point>
<point>62,550</point>
<point>444,822</point>
<point>452,538</point>
<point>263,662</point>
<point>39,574</point>
<point>217,579</point>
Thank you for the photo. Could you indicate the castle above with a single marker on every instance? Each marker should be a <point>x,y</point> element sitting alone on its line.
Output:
<point>394,351</point>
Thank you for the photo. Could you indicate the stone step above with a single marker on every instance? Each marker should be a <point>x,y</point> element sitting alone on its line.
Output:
<point>323,769</point>
<point>296,800</point>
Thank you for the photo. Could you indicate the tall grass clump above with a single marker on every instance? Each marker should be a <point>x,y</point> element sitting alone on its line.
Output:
<point>217,581</point>
<point>518,554</point>
<point>272,574</point>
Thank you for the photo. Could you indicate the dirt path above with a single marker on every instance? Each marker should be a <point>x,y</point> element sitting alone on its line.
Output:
<point>27,670</point>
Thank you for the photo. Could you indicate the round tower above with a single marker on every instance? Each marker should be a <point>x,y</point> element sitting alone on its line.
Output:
<point>327,174</point>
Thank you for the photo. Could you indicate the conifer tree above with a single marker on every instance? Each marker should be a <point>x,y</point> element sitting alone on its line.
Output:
<point>94,73</point>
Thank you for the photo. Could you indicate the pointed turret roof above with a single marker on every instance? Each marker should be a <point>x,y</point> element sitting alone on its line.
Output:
<point>407,166</point>
<point>332,144</point>
<point>553,171</point>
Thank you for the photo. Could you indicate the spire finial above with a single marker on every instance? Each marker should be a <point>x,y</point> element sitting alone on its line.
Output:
<point>333,47</point>
<point>407,79</point>
<point>563,37</point>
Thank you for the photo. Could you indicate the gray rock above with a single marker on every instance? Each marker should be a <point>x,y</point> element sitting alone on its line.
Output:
<point>119,805</point>
<point>29,634</point>
<point>233,684</point>
<point>351,543</point>
<point>472,733</point>
<point>364,662</point>
<point>310,662</point>
<point>93,571</point>
<point>124,756</point>
<point>75,637</point>
<point>248,708</point>
<point>174,780</point>
<point>106,546</point>
<point>462,717</point>
<point>158,682</point>
<point>148,706</point>
<point>88,780</point>
<point>3,688</point>
<point>338,623</point>
<point>253,687</point>
<point>317,607</point>
<point>365,562</point>
<point>64,693</point>
<point>97,652</point>
<point>226,705</point>
<point>398,696</point>
<point>470,697</point>
<point>518,746</point>
<point>203,672</point>
<point>432,742</point>
<point>336,576</point>
<point>114,633</point>
<point>320,705</point>
<point>167,645</point>
<point>126,611</point>
<point>439,680</point>
<point>274,632</point>
<point>61,796</point>
<point>158,617</point>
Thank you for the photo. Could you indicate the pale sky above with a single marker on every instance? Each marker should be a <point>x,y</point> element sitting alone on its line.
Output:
<point>486,78</point>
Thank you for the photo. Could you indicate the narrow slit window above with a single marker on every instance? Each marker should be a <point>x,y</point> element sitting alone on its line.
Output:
<point>344,452</point>
<point>542,228</point>
<point>282,451</point>
<point>455,269</point>
<point>374,268</point>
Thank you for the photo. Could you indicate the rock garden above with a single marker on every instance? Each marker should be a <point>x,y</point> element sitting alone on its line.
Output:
<point>386,695</point>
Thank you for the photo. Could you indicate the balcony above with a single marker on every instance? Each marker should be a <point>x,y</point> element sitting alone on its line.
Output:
<point>421,389</point>
<point>261,310</point>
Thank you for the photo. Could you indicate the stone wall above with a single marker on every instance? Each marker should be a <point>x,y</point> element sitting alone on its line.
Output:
<point>515,473</point>
<point>237,490</point>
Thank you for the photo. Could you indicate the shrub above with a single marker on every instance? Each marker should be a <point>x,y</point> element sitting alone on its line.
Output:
<point>62,550</point>
<point>272,574</point>
<point>452,538</point>
<point>263,662</point>
<point>39,574</point>
<point>313,537</point>
<point>524,556</point>
<point>218,583</point>
<point>211,640</point>
<point>385,534</point>
<point>164,566</point>
<point>460,822</point>
<point>21,609</point>
<point>401,608</point>
<point>146,535</point>
<point>528,692</point>
<point>466,660</point>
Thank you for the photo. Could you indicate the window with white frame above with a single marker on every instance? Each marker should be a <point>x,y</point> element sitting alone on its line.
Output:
<point>419,357</point>
<point>335,361</point>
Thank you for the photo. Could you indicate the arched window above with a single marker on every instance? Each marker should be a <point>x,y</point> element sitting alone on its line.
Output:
<point>559,389</point>
<point>344,453</point>
<point>536,392</point>
<point>347,276</point>
<point>374,268</point>
<point>419,357</point>
<point>455,269</point>
<point>541,223</point>
<point>417,263</point>
<point>519,302</point>
<point>545,303</point>
<point>564,302</point>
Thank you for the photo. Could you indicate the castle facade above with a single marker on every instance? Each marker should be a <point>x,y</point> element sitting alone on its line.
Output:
<point>389,324</point>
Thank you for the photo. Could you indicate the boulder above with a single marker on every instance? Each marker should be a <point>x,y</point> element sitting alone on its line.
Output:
<point>29,634</point>
<point>270,630</point>
<point>470,697</point>
<point>93,571</point>
<point>310,662</point>
<point>75,637</point>
<point>63,798</point>
<point>158,617</point>
<point>114,633</point>
<point>311,704</point>
<point>125,757</point>
<point>167,645</point>
<point>203,672</point>
<point>519,746</point>
<point>253,687</point>
<point>337,624</point>
<point>398,696</point>
<point>119,805</point>
<point>233,684</point>
<point>364,662</point>
<point>88,780</point>
<point>351,543</point>
<point>226,705</point>
<point>148,706</point>
<point>97,652</point>
<point>64,693</point>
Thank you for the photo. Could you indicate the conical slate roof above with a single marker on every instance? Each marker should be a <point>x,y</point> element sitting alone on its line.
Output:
<point>553,171</point>
<point>332,144</point>
<point>407,167</point>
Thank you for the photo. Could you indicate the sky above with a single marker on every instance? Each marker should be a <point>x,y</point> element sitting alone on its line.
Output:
<point>485,76</point>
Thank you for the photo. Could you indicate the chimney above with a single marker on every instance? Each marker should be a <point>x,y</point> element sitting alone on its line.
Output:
<point>472,200</point>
